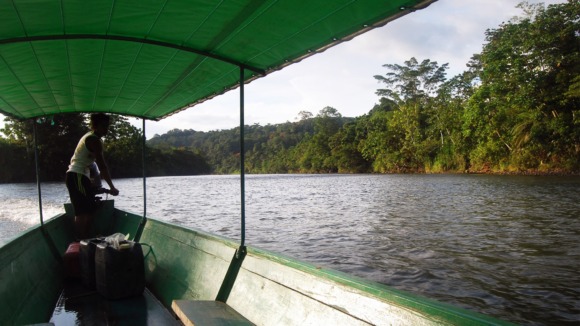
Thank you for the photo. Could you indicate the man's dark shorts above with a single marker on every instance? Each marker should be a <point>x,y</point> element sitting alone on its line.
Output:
<point>81,194</point>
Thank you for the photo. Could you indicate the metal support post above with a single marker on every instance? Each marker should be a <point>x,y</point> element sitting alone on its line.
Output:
<point>45,234</point>
<point>144,174</point>
<point>242,157</point>
<point>37,174</point>
<point>144,218</point>
<point>240,254</point>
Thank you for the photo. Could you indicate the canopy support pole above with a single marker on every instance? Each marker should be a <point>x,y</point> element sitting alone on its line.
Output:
<point>45,234</point>
<point>240,254</point>
<point>242,160</point>
<point>144,218</point>
<point>144,174</point>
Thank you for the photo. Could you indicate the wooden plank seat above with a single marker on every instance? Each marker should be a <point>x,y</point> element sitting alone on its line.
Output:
<point>207,313</point>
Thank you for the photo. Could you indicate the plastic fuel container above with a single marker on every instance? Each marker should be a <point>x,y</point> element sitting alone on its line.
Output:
<point>119,273</point>
<point>70,261</point>
<point>87,251</point>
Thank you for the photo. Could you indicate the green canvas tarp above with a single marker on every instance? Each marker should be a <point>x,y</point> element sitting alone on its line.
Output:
<point>153,58</point>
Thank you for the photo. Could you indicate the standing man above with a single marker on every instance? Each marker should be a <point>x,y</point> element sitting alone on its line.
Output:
<point>88,151</point>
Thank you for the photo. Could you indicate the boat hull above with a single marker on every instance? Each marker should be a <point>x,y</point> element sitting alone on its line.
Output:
<point>188,264</point>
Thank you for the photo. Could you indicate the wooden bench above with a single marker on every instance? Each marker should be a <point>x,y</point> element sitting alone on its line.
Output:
<point>208,313</point>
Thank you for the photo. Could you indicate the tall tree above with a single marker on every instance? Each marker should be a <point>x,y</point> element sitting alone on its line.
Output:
<point>412,80</point>
<point>525,108</point>
<point>57,140</point>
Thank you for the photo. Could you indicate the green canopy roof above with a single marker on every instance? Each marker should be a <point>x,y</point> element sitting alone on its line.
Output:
<point>153,58</point>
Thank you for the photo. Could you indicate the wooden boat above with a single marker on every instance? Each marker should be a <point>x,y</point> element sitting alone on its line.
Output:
<point>189,264</point>
<point>151,59</point>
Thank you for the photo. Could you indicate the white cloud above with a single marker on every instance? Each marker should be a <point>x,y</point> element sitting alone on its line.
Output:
<point>342,77</point>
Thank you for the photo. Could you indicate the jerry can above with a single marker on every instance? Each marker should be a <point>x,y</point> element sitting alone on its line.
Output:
<point>119,273</point>
<point>70,261</point>
<point>87,249</point>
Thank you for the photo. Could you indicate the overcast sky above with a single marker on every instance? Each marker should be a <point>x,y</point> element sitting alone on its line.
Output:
<point>448,31</point>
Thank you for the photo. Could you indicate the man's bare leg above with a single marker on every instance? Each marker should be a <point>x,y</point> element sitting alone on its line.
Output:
<point>80,227</point>
<point>89,217</point>
<point>83,225</point>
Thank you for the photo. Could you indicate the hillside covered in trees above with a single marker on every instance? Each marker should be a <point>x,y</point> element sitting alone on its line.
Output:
<point>267,146</point>
<point>516,108</point>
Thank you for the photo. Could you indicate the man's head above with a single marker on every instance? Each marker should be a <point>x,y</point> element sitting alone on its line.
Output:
<point>100,123</point>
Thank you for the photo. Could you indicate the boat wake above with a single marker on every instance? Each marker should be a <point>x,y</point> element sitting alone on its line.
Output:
<point>19,214</point>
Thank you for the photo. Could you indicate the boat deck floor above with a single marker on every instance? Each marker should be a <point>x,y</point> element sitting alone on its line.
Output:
<point>80,306</point>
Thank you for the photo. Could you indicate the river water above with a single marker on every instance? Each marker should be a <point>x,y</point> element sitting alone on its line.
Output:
<point>505,246</point>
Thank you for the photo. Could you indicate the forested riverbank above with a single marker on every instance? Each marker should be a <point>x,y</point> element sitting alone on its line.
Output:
<point>58,138</point>
<point>514,110</point>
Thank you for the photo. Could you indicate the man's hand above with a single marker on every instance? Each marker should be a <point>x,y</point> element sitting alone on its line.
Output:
<point>114,191</point>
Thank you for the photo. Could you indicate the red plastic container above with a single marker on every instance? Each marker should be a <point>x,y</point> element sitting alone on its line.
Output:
<point>71,261</point>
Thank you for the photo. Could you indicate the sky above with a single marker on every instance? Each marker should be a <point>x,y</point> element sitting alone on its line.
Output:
<point>448,31</point>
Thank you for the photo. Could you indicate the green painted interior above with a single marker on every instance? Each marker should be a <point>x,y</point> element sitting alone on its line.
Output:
<point>153,58</point>
<point>185,264</point>
<point>30,277</point>
<point>188,264</point>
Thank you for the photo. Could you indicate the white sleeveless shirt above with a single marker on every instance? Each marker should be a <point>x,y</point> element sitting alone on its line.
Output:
<point>82,158</point>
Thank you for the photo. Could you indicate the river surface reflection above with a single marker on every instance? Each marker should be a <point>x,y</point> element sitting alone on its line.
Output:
<point>505,246</point>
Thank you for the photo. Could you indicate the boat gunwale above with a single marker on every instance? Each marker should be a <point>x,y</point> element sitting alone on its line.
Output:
<point>428,308</point>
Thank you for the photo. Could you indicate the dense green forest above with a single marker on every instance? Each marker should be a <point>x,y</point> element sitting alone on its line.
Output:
<point>516,108</point>
<point>57,140</point>
<point>267,147</point>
